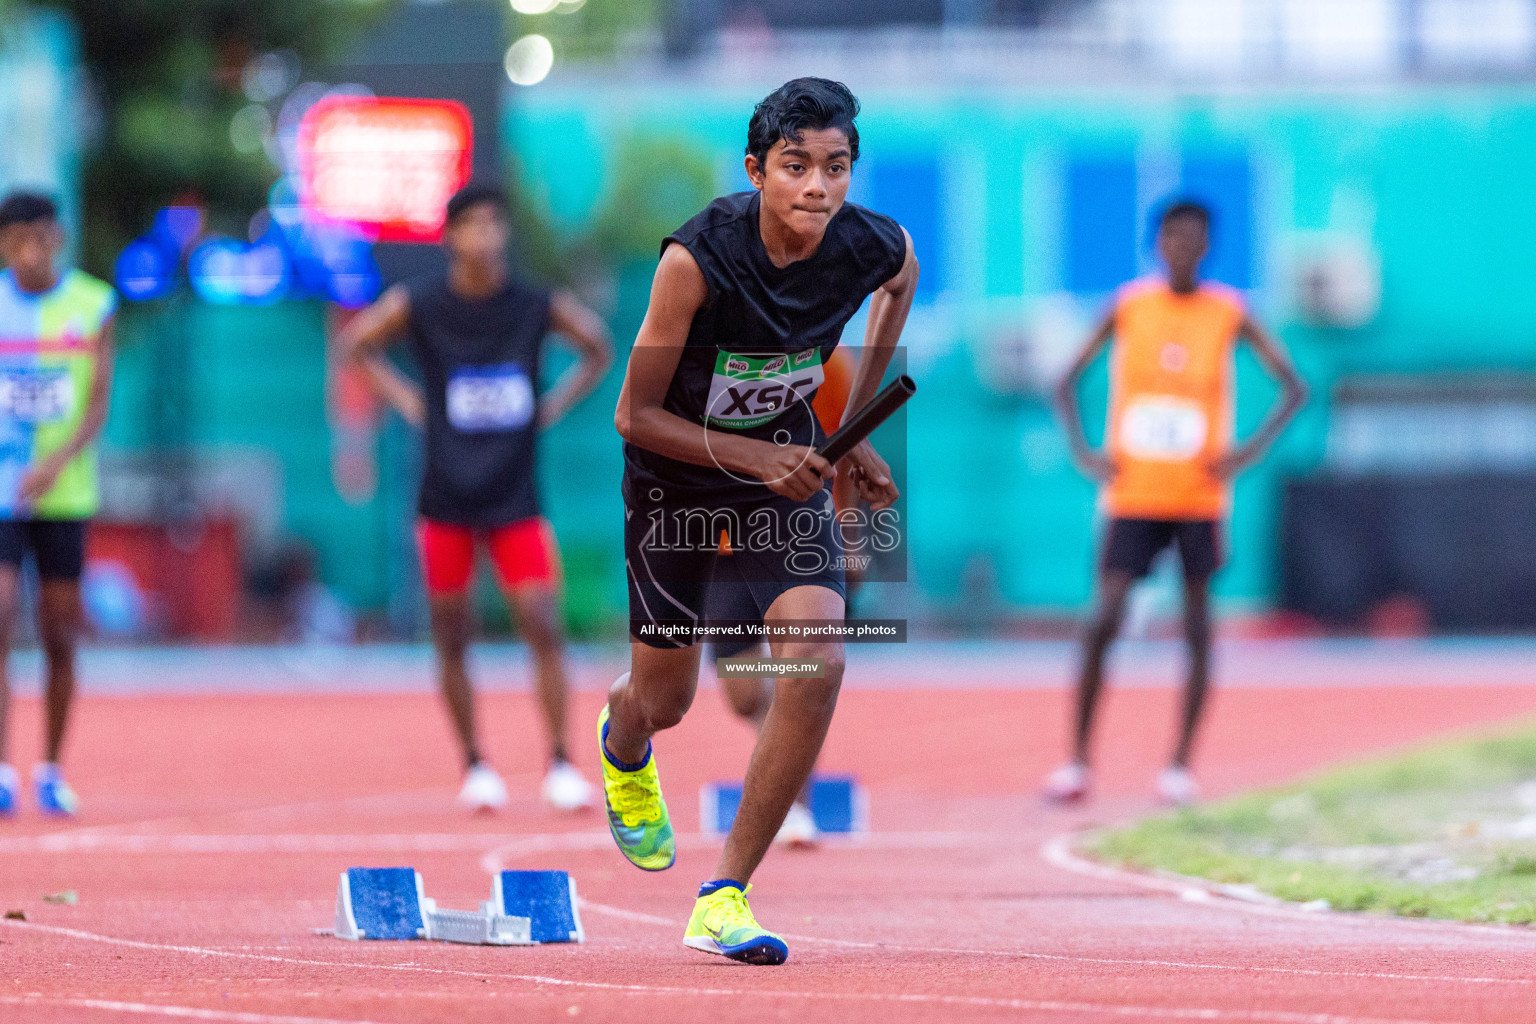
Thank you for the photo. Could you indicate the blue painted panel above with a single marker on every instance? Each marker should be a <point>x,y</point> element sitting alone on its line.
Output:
<point>1100,223</point>
<point>1225,185</point>
<point>909,188</point>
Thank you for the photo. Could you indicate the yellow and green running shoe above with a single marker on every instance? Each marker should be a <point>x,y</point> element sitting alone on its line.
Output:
<point>723,923</point>
<point>637,813</point>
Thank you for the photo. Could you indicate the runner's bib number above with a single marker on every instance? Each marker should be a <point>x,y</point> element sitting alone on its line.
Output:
<point>37,395</point>
<point>1163,428</point>
<point>748,391</point>
<point>485,398</point>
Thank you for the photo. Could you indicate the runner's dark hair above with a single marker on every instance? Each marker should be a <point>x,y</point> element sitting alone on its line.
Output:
<point>1186,208</point>
<point>27,208</point>
<point>798,106</point>
<point>474,194</point>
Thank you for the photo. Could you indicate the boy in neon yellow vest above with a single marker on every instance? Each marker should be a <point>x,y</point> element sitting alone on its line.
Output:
<point>55,379</point>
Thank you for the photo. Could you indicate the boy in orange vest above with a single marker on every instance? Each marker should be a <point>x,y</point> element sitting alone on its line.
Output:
<point>1168,461</point>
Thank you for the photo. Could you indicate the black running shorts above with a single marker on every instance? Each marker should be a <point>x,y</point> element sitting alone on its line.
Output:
<point>1132,544</point>
<point>58,545</point>
<point>671,549</point>
<point>729,599</point>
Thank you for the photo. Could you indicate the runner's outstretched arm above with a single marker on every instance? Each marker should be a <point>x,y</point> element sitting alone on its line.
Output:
<point>677,293</point>
<point>1272,356</point>
<point>594,344</point>
<point>40,478</point>
<point>363,341</point>
<point>1095,464</point>
<point>888,309</point>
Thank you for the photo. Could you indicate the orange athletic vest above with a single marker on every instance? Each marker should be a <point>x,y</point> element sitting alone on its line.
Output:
<point>831,398</point>
<point>1170,408</point>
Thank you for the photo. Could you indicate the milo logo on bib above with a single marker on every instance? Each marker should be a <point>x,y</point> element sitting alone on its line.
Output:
<point>748,391</point>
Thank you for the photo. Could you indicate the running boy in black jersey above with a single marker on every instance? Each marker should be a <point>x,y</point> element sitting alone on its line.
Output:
<point>478,335</point>
<point>731,600</point>
<point>750,298</point>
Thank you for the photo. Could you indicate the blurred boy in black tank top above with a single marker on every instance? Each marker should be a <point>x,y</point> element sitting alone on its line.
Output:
<point>749,300</point>
<point>477,333</point>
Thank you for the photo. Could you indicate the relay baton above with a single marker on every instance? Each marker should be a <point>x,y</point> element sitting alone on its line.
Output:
<point>863,423</point>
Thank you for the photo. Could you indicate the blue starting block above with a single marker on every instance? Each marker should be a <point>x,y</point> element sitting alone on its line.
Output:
<point>838,803</point>
<point>391,903</point>
<point>381,903</point>
<point>546,898</point>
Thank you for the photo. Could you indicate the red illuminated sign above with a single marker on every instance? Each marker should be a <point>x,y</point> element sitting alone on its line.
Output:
<point>387,165</point>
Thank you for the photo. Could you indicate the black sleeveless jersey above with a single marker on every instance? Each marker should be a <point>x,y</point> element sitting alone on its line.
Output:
<point>479,362</point>
<point>756,348</point>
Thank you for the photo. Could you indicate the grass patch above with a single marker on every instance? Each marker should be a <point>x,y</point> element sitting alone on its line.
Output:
<point>1445,831</point>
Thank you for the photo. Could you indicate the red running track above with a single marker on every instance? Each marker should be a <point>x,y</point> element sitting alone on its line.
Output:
<point>215,827</point>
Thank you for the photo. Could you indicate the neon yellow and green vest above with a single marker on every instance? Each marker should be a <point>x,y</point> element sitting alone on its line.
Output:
<point>48,345</point>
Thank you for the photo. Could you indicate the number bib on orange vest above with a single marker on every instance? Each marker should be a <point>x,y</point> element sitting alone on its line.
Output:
<point>748,391</point>
<point>1163,428</point>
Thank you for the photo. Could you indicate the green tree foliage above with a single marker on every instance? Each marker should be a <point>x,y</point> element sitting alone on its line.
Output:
<point>168,80</point>
<point>655,184</point>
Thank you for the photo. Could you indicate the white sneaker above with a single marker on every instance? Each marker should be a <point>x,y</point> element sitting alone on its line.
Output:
<point>483,789</point>
<point>566,789</point>
<point>54,797</point>
<point>1067,784</point>
<point>799,828</point>
<point>1177,787</point>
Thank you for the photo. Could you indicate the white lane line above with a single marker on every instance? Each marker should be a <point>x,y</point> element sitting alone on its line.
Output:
<point>496,846</point>
<point>397,802</point>
<point>632,915</point>
<point>499,858</point>
<point>183,1012</point>
<point>1058,852</point>
<point>910,998</point>
<point>412,800</point>
<point>257,843</point>
<point>628,915</point>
